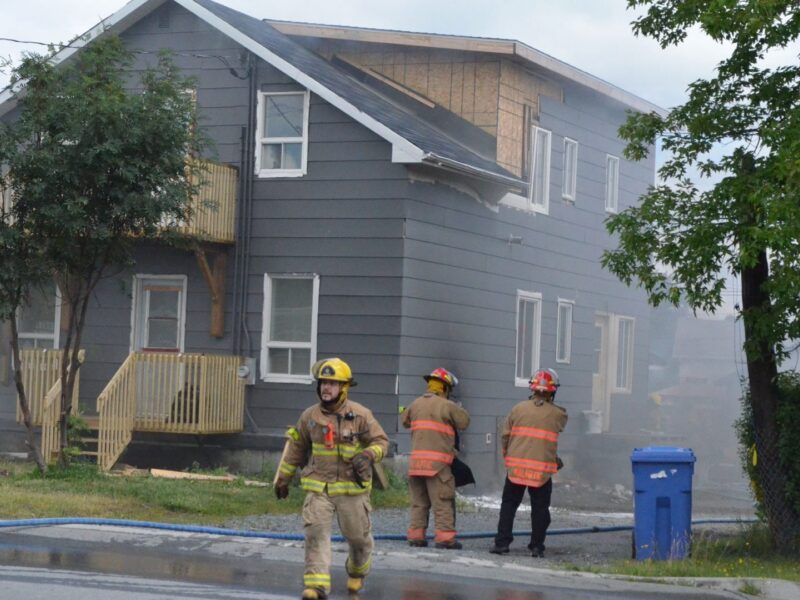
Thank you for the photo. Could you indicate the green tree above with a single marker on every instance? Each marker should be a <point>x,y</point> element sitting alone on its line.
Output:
<point>740,129</point>
<point>95,157</point>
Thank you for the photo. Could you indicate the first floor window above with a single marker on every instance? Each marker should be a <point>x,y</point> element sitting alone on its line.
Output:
<point>564,331</point>
<point>529,317</point>
<point>39,319</point>
<point>623,381</point>
<point>289,338</point>
<point>282,144</point>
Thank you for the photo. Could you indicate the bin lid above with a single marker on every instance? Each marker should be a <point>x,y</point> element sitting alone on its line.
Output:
<point>663,454</point>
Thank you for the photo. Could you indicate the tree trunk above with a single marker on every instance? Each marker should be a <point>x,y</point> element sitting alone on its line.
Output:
<point>762,369</point>
<point>23,401</point>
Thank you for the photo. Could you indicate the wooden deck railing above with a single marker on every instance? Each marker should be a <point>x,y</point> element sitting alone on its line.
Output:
<point>51,414</point>
<point>213,208</point>
<point>172,393</point>
<point>41,369</point>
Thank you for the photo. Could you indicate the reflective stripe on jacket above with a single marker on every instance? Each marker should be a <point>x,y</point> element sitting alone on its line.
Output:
<point>328,459</point>
<point>433,421</point>
<point>530,441</point>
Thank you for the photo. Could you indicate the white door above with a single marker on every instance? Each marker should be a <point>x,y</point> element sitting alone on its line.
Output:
<point>159,314</point>
<point>601,396</point>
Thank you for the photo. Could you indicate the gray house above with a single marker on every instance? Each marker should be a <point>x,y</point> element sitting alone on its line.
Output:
<point>401,200</point>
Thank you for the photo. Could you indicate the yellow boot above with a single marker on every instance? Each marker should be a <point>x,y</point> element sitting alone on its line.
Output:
<point>313,594</point>
<point>355,584</point>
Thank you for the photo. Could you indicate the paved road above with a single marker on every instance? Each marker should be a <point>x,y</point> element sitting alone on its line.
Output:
<point>80,562</point>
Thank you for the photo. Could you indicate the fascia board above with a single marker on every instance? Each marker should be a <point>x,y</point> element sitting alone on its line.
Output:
<point>404,150</point>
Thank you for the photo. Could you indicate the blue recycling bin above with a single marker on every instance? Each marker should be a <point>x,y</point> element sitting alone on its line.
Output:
<point>662,502</point>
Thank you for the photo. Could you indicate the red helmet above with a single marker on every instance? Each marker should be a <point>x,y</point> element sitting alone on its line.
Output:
<point>544,380</point>
<point>443,375</point>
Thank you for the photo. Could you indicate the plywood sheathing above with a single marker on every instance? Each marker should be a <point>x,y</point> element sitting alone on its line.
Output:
<point>519,87</point>
<point>488,90</point>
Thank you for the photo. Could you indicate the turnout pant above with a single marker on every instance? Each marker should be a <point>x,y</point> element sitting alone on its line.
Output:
<point>540,512</point>
<point>437,492</point>
<point>353,514</point>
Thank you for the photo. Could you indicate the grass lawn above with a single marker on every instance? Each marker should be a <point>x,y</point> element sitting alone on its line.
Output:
<point>747,554</point>
<point>82,491</point>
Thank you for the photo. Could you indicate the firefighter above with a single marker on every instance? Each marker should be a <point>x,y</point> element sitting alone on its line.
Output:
<point>338,440</point>
<point>434,420</point>
<point>530,444</point>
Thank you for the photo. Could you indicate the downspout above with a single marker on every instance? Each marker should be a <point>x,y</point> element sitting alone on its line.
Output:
<point>241,262</point>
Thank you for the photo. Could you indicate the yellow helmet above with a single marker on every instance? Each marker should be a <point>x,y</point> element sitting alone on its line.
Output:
<point>333,369</point>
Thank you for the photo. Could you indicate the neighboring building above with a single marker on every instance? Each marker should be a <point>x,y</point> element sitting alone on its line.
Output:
<point>403,201</point>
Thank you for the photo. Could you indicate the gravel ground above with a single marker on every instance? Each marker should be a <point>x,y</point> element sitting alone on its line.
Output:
<point>574,506</point>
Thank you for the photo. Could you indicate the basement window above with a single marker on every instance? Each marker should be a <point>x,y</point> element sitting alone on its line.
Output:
<point>282,134</point>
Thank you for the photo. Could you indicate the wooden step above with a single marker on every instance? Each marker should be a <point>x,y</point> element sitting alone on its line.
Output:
<point>89,453</point>
<point>92,422</point>
<point>89,440</point>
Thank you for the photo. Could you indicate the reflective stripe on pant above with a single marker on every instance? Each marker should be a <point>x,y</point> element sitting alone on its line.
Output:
<point>540,512</point>
<point>353,515</point>
<point>437,492</point>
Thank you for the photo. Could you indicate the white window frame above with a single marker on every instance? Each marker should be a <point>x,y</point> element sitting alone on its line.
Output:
<point>564,357</point>
<point>266,344</point>
<point>44,337</point>
<point>535,350</point>
<point>262,139</point>
<point>612,183</point>
<point>139,295</point>
<point>541,205</point>
<point>623,349</point>
<point>569,177</point>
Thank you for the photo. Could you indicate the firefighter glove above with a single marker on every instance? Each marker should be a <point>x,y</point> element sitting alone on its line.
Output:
<point>559,463</point>
<point>281,489</point>
<point>362,466</point>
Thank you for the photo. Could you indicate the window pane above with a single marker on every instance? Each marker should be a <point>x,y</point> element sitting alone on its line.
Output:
<point>570,168</point>
<point>612,182</point>
<point>292,156</point>
<point>301,361</point>
<point>291,310</point>
<point>525,336</point>
<point>564,329</point>
<point>39,316</point>
<point>541,166</point>
<point>598,349</point>
<point>271,156</point>
<point>162,333</point>
<point>278,360</point>
<point>624,353</point>
<point>163,303</point>
<point>284,116</point>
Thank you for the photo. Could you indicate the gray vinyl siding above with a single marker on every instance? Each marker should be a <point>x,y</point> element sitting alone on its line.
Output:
<point>461,279</point>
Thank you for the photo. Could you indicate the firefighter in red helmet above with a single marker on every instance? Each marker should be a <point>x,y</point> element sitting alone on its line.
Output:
<point>434,421</point>
<point>530,445</point>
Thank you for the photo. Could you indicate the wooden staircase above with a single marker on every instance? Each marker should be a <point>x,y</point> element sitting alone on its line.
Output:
<point>90,442</point>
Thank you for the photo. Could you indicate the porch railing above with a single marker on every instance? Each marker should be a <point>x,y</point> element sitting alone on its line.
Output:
<point>51,414</point>
<point>41,369</point>
<point>170,393</point>
<point>116,407</point>
<point>213,208</point>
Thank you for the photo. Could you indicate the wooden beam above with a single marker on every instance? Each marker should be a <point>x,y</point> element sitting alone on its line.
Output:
<point>215,279</point>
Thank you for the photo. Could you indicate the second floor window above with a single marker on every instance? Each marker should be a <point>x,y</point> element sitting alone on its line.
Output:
<point>570,171</point>
<point>282,131</point>
<point>612,184</point>
<point>540,169</point>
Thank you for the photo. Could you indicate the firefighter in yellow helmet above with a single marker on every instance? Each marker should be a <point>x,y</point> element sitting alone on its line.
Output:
<point>434,421</point>
<point>337,440</point>
<point>530,444</point>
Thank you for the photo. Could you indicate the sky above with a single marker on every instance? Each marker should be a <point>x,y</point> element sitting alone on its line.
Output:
<point>593,35</point>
